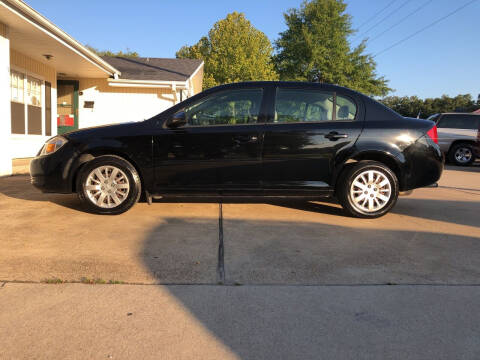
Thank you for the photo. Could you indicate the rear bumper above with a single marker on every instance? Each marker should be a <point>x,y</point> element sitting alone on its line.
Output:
<point>476,150</point>
<point>425,164</point>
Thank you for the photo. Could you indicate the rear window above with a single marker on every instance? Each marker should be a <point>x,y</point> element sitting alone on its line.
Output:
<point>468,122</point>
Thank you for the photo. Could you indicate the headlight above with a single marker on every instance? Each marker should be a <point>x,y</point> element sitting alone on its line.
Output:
<point>53,145</point>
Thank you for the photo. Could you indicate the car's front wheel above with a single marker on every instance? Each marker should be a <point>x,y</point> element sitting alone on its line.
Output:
<point>368,189</point>
<point>108,185</point>
<point>461,154</point>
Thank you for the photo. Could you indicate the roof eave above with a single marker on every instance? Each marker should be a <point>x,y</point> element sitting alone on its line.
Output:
<point>43,22</point>
<point>148,83</point>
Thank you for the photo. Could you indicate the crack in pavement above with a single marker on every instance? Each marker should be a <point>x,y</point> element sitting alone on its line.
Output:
<point>387,284</point>
<point>221,263</point>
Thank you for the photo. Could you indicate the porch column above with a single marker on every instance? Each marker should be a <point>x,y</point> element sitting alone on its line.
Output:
<point>5,95</point>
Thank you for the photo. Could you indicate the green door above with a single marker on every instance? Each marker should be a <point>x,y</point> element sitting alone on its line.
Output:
<point>67,106</point>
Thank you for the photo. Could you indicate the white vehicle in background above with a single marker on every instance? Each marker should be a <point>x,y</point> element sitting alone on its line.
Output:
<point>457,136</point>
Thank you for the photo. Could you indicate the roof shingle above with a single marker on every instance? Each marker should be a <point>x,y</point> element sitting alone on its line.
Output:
<point>154,68</point>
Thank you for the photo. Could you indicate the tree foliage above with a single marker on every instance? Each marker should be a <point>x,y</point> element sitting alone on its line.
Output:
<point>315,48</point>
<point>127,54</point>
<point>412,105</point>
<point>234,50</point>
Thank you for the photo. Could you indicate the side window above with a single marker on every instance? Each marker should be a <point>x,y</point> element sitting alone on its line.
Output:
<point>296,105</point>
<point>230,107</point>
<point>469,122</point>
<point>346,109</point>
<point>458,122</point>
<point>444,122</point>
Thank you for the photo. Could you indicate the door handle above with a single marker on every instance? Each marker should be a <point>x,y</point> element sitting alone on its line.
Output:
<point>333,135</point>
<point>245,139</point>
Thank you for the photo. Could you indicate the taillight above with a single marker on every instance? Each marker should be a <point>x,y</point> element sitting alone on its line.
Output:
<point>432,133</point>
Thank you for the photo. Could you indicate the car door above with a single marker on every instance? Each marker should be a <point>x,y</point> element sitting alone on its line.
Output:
<point>218,149</point>
<point>454,127</point>
<point>308,130</point>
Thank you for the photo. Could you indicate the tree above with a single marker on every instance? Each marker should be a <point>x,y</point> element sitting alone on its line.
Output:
<point>315,48</point>
<point>412,106</point>
<point>233,51</point>
<point>127,54</point>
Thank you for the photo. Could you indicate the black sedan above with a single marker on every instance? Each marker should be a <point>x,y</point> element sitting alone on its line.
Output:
<point>249,139</point>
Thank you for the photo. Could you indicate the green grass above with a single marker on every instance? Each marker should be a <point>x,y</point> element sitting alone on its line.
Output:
<point>116,282</point>
<point>83,280</point>
<point>53,281</point>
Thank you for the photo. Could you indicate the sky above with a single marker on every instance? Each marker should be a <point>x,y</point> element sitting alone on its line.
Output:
<point>443,59</point>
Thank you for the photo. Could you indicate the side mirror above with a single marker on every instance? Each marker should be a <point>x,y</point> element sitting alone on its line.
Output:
<point>178,120</point>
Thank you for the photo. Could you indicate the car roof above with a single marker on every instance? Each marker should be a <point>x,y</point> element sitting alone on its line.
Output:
<point>286,84</point>
<point>458,113</point>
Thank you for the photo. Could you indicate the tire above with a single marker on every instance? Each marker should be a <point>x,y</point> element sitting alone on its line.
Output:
<point>355,200</point>
<point>461,154</point>
<point>108,185</point>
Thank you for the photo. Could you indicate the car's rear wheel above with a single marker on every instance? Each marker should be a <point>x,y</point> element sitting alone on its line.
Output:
<point>461,154</point>
<point>108,185</point>
<point>367,189</point>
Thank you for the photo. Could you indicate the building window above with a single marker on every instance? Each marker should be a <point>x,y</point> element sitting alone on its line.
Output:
<point>26,104</point>
<point>16,84</point>
<point>34,91</point>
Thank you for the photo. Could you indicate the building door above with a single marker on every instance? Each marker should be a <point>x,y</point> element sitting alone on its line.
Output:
<point>67,105</point>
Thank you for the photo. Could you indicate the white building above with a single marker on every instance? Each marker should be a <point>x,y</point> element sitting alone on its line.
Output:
<point>50,83</point>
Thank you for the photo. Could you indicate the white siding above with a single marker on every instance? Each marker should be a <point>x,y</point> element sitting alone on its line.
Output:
<point>5,156</point>
<point>115,104</point>
<point>23,146</point>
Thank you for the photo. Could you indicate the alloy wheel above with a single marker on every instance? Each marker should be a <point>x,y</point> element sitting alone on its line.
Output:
<point>107,186</point>
<point>463,155</point>
<point>370,191</point>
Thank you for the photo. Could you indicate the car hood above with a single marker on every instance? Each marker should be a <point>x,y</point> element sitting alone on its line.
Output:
<point>128,128</point>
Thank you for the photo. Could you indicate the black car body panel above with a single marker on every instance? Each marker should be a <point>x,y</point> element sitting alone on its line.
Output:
<point>262,158</point>
<point>132,141</point>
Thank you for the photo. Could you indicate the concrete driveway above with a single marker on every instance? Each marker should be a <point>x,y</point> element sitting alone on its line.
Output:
<point>316,281</point>
<point>430,237</point>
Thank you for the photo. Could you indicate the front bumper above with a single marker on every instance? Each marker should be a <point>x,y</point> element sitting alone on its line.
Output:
<point>51,173</point>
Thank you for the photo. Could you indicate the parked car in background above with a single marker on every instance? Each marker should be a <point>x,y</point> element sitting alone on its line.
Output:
<point>258,138</point>
<point>457,136</point>
<point>477,145</point>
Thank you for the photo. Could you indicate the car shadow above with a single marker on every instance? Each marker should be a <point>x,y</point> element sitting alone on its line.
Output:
<point>279,322</point>
<point>450,211</point>
<point>475,167</point>
<point>19,187</point>
<point>453,211</point>
<point>326,206</point>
